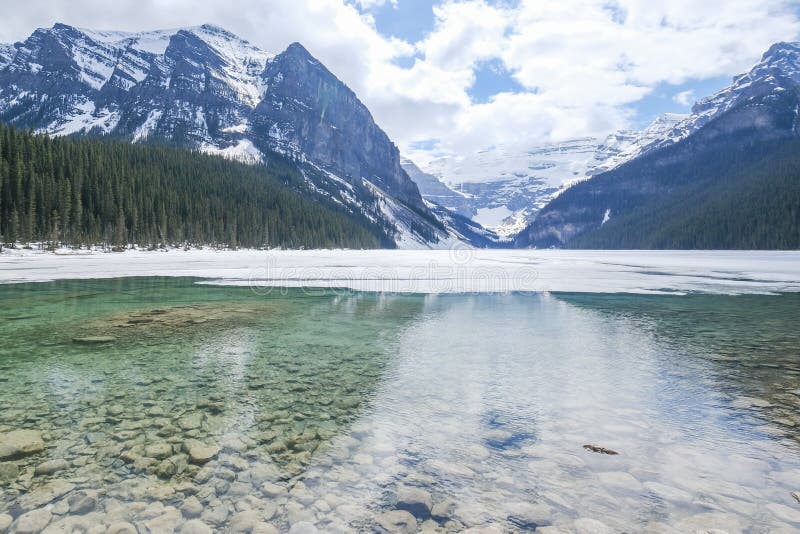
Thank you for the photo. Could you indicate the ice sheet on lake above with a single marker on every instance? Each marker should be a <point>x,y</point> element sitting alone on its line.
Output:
<point>447,271</point>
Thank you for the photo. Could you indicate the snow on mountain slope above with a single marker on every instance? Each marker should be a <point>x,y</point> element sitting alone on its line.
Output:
<point>748,121</point>
<point>205,89</point>
<point>504,188</point>
<point>7,52</point>
<point>625,146</point>
<point>433,190</point>
<point>777,72</point>
<point>244,151</point>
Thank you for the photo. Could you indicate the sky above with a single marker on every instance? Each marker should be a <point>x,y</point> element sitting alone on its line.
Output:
<point>454,77</point>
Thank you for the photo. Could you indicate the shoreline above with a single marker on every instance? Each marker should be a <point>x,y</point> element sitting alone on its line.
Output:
<point>461,270</point>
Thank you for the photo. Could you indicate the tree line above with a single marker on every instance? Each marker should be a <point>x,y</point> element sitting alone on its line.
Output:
<point>80,191</point>
<point>736,198</point>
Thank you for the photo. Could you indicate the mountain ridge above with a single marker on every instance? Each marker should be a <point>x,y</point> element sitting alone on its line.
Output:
<point>503,188</point>
<point>759,110</point>
<point>206,89</point>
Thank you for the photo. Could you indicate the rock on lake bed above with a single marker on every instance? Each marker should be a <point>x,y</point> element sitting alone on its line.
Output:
<point>231,409</point>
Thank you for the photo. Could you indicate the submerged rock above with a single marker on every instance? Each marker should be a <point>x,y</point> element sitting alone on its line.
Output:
<point>199,452</point>
<point>444,510</point>
<point>195,526</point>
<point>33,522</point>
<point>397,522</point>
<point>19,443</point>
<point>51,466</point>
<point>121,527</point>
<point>5,522</point>
<point>273,490</point>
<point>417,501</point>
<point>158,450</point>
<point>8,471</point>
<point>82,502</point>
<point>45,494</point>
<point>244,521</point>
<point>191,421</point>
<point>192,507</point>
<point>303,527</point>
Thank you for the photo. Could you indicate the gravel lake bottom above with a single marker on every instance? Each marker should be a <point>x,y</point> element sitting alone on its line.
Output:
<point>156,405</point>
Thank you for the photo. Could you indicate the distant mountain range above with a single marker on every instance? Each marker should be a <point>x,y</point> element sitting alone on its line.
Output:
<point>727,176</point>
<point>206,89</point>
<point>503,189</point>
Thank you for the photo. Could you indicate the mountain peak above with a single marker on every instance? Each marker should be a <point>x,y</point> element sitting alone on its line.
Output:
<point>298,50</point>
<point>781,50</point>
<point>207,89</point>
<point>62,26</point>
<point>216,29</point>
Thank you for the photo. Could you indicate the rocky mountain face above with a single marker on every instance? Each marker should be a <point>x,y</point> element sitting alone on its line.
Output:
<point>758,111</point>
<point>437,192</point>
<point>206,89</point>
<point>6,54</point>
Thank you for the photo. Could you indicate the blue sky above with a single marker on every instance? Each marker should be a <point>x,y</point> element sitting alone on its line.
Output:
<point>453,77</point>
<point>413,20</point>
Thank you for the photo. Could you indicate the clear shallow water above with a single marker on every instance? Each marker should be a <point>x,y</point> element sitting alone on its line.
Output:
<point>334,410</point>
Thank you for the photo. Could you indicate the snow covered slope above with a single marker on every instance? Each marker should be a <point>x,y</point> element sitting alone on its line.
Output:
<point>776,73</point>
<point>503,188</point>
<point>7,52</point>
<point>683,164</point>
<point>206,89</point>
<point>506,188</point>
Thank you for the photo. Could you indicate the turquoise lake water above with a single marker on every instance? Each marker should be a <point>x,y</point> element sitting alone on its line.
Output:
<point>164,405</point>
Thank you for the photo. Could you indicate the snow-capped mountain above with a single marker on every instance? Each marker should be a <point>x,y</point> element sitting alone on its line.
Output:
<point>503,189</point>
<point>206,89</point>
<point>6,54</point>
<point>777,72</point>
<point>758,113</point>
<point>626,145</point>
<point>437,192</point>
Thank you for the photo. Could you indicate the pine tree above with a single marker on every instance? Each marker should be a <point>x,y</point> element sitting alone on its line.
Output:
<point>79,191</point>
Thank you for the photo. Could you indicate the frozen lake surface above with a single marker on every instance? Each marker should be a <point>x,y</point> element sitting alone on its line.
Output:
<point>459,270</point>
<point>486,392</point>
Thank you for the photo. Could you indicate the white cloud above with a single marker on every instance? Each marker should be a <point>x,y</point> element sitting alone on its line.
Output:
<point>369,4</point>
<point>466,32</point>
<point>583,63</point>
<point>684,98</point>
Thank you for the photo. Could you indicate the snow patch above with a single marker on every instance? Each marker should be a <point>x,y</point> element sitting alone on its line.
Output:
<point>239,128</point>
<point>492,218</point>
<point>244,151</point>
<point>432,271</point>
<point>84,117</point>
<point>150,123</point>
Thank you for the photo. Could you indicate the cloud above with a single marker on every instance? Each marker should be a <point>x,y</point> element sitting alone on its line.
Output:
<point>369,4</point>
<point>582,64</point>
<point>465,33</point>
<point>684,98</point>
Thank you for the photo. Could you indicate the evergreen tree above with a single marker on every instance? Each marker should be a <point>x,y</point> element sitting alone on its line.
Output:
<point>78,191</point>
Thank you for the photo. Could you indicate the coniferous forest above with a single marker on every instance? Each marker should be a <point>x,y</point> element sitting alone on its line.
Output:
<point>79,191</point>
<point>735,198</point>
